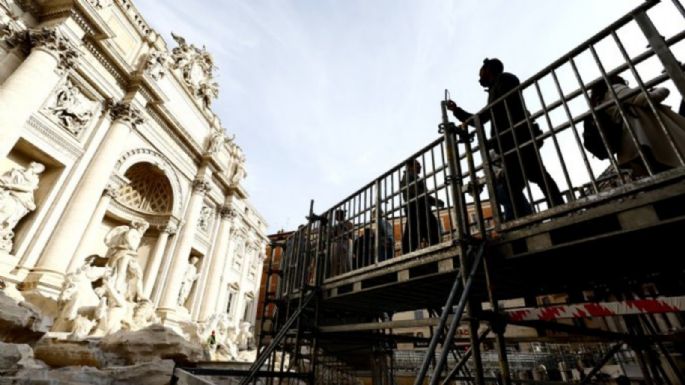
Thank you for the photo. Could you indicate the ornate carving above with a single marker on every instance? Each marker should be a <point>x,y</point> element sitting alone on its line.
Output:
<point>189,278</point>
<point>126,112</point>
<point>170,229</point>
<point>72,108</point>
<point>16,199</point>
<point>13,31</point>
<point>111,191</point>
<point>52,40</point>
<point>201,186</point>
<point>228,212</point>
<point>101,4</point>
<point>205,220</point>
<point>196,66</point>
<point>156,64</point>
<point>217,140</point>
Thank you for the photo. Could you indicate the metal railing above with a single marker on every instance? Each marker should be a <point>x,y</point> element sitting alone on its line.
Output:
<point>520,159</point>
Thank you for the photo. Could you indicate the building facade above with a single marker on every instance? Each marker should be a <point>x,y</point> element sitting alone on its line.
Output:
<point>116,172</point>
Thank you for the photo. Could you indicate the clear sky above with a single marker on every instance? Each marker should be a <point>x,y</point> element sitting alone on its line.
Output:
<point>324,95</point>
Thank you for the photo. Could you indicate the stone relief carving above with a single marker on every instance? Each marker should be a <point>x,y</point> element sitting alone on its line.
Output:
<point>196,66</point>
<point>205,220</point>
<point>72,108</point>
<point>156,64</point>
<point>201,186</point>
<point>189,277</point>
<point>16,199</point>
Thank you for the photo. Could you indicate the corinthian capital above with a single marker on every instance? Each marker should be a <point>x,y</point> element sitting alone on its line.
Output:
<point>125,112</point>
<point>228,212</point>
<point>201,186</point>
<point>51,40</point>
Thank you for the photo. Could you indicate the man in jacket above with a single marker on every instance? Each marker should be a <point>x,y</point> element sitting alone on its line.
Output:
<point>421,228</point>
<point>509,132</point>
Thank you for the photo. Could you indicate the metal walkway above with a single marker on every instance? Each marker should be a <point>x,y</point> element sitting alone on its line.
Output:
<point>430,234</point>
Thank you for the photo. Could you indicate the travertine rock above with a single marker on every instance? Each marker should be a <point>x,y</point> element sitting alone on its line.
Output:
<point>58,353</point>
<point>157,372</point>
<point>151,343</point>
<point>17,356</point>
<point>20,322</point>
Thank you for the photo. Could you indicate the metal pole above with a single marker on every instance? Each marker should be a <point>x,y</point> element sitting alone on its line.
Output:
<point>658,44</point>
<point>462,233</point>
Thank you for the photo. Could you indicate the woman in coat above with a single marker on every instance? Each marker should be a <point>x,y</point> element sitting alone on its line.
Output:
<point>658,151</point>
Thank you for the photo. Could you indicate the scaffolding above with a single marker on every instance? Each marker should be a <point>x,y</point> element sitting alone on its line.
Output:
<point>431,234</point>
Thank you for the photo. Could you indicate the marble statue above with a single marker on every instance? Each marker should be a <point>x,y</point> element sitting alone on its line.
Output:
<point>189,278</point>
<point>217,140</point>
<point>16,199</point>
<point>239,172</point>
<point>245,337</point>
<point>126,282</point>
<point>79,301</point>
<point>143,315</point>
<point>72,109</point>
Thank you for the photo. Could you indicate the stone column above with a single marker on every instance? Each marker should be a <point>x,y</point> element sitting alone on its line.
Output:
<point>216,267</point>
<point>31,83</point>
<point>92,229</point>
<point>179,262</point>
<point>152,269</point>
<point>70,228</point>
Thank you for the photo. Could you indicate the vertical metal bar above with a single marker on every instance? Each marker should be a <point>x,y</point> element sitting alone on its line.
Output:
<point>601,363</point>
<point>458,313</point>
<point>543,171</point>
<point>517,152</point>
<point>679,7</point>
<point>579,143</point>
<point>446,179</point>
<point>505,167</point>
<point>621,111</point>
<point>658,44</point>
<point>377,219</point>
<point>489,175</point>
<point>433,344</point>
<point>436,196</point>
<point>555,140</point>
<point>648,97</point>
<point>462,233</point>
<point>612,158</point>
<point>425,199</point>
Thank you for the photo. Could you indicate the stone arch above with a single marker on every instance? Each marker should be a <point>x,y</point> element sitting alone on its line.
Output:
<point>163,164</point>
<point>148,190</point>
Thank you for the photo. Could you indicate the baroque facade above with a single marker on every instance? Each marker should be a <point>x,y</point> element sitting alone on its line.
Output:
<point>120,193</point>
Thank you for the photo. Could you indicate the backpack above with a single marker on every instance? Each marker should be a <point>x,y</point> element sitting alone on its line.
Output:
<point>592,141</point>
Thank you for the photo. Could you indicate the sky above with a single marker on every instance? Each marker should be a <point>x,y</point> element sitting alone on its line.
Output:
<point>325,95</point>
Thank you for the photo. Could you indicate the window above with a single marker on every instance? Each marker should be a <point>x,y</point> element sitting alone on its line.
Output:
<point>249,305</point>
<point>232,294</point>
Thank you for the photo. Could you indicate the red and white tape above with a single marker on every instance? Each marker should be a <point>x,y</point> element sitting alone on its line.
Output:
<point>599,309</point>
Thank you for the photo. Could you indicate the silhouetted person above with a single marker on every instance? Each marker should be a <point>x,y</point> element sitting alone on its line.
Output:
<point>341,247</point>
<point>498,83</point>
<point>421,228</point>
